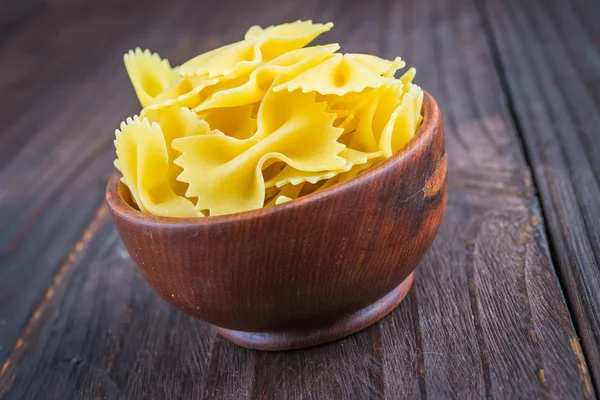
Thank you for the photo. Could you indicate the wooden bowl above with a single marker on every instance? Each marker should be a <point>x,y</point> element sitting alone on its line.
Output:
<point>306,272</point>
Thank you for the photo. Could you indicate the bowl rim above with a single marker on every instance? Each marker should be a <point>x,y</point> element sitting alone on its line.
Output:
<point>431,120</point>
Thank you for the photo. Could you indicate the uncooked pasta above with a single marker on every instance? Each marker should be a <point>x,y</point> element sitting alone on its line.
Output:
<point>260,122</point>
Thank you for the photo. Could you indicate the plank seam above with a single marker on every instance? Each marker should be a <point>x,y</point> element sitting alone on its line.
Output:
<point>524,238</point>
<point>64,269</point>
<point>419,339</point>
<point>574,118</point>
<point>472,289</point>
<point>573,303</point>
<point>501,73</point>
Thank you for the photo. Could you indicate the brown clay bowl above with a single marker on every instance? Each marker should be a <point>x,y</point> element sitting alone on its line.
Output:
<point>306,272</point>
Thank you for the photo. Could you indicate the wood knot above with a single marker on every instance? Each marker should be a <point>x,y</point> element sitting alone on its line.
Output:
<point>435,183</point>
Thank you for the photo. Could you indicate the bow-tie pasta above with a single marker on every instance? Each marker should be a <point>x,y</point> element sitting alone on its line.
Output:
<point>226,173</point>
<point>338,75</point>
<point>143,160</point>
<point>150,75</point>
<point>244,56</point>
<point>284,67</point>
<point>294,176</point>
<point>260,122</point>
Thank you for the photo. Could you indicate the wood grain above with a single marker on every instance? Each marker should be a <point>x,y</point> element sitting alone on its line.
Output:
<point>486,317</point>
<point>549,52</point>
<point>482,260</point>
<point>59,171</point>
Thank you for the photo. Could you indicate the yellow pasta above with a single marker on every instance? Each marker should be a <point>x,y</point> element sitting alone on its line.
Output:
<point>143,162</point>
<point>242,126</point>
<point>263,45</point>
<point>417,106</point>
<point>378,65</point>
<point>176,122</point>
<point>339,178</point>
<point>402,123</point>
<point>285,67</point>
<point>356,169</point>
<point>291,175</point>
<point>183,93</point>
<point>149,74</point>
<point>407,78</point>
<point>346,109</point>
<point>226,173</point>
<point>337,75</point>
<point>260,122</point>
<point>234,58</point>
<point>286,193</point>
<point>283,199</point>
<point>279,39</point>
<point>369,123</point>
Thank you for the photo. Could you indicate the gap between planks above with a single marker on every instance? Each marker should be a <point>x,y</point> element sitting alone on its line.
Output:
<point>578,350</point>
<point>97,220</point>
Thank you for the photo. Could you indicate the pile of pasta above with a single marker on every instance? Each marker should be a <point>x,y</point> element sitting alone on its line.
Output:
<point>260,122</point>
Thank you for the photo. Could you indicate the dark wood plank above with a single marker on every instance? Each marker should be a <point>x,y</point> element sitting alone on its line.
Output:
<point>56,181</point>
<point>12,15</point>
<point>117,338</point>
<point>550,52</point>
<point>403,358</point>
<point>485,318</point>
<point>484,273</point>
<point>230,373</point>
<point>46,60</point>
<point>587,12</point>
<point>343,370</point>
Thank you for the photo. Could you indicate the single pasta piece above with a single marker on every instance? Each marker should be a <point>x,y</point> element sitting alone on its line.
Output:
<point>241,57</point>
<point>149,74</point>
<point>143,162</point>
<point>283,199</point>
<point>380,66</point>
<point>337,75</point>
<point>407,79</point>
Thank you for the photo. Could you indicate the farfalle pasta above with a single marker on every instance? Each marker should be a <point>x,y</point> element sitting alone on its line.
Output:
<point>260,122</point>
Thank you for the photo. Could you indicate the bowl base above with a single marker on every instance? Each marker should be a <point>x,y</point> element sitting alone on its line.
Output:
<point>357,321</point>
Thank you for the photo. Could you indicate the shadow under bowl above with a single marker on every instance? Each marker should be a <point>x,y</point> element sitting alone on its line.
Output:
<point>309,271</point>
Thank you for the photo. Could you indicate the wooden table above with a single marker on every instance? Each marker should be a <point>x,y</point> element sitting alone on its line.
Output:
<point>506,303</point>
